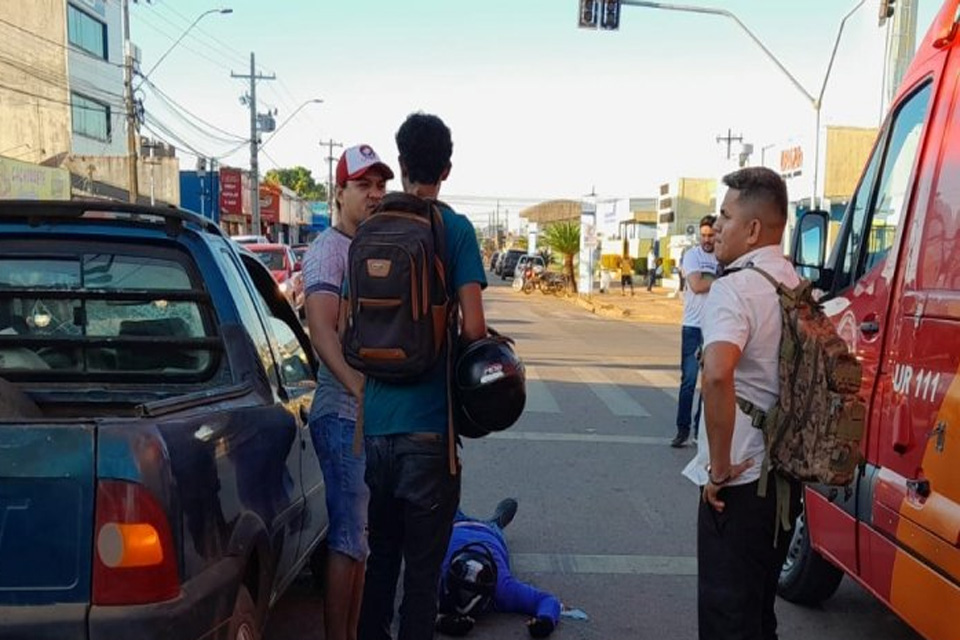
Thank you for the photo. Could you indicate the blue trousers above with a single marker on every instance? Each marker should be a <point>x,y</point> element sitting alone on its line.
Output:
<point>690,342</point>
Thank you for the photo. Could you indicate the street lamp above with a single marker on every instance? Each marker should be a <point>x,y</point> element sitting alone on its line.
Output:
<point>183,35</point>
<point>816,103</point>
<point>288,119</point>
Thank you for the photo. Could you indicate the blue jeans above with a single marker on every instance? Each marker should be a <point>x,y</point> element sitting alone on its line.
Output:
<point>690,342</point>
<point>413,500</point>
<point>347,493</point>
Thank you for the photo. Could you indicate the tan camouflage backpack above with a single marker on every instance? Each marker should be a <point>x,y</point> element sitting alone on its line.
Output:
<point>813,432</point>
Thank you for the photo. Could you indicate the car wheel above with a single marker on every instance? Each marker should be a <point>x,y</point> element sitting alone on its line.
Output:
<point>806,578</point>
<point>243,622</point>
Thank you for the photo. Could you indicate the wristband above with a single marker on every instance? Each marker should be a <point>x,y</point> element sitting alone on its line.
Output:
<point>716,483</point>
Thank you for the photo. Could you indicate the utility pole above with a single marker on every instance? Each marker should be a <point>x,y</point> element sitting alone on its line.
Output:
<point>130,106</point>
<point>330,145</point>
<point>254,141</point>
<point>729,139</point>
<point>151,145</point>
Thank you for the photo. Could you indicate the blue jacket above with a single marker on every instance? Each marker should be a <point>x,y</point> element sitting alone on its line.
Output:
<point>512,595</point>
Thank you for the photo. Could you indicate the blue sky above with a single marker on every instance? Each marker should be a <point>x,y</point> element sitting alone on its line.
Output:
<point>538,108</point>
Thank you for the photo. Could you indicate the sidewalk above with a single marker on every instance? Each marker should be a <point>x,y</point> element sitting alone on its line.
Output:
<point>652,307</point>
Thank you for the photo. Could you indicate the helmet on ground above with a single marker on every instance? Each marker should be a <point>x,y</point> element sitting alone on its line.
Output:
<point>468,586</point>
<point>489,386</point>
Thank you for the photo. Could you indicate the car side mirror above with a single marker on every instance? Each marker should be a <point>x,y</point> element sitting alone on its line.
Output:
<point>298,266</point>
<point>810,244</point>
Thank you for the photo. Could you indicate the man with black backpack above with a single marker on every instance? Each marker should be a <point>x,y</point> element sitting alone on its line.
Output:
<point>745,515</point>
<point>412,471</point>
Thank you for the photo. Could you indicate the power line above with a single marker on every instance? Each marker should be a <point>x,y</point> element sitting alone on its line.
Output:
<point>58,44</point>
<point>192,35</point>
<point>276,164</point>
<point>55,100</point>
<point>235,56</point>
<point>233,137</point>
<point>151,122</point>
<point>59,81</point>
<point>187,47</point>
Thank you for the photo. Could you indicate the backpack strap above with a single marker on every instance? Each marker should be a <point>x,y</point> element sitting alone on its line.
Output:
<point>440,246</point>
<point>762,420</point>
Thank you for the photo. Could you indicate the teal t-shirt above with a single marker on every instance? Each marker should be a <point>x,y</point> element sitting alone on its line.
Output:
<point>422,406</point>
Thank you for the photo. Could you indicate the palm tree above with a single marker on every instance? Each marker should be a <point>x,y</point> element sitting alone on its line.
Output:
<point>564,238</point>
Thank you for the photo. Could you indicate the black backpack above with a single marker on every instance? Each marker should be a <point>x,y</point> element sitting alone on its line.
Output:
<point>400,311</point>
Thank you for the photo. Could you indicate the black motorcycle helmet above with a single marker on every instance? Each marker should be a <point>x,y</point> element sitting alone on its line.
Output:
<point>489,386</point>
<point>468,586</point>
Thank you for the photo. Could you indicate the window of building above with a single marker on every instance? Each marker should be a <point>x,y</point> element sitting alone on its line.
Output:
<point>86,32</point>
<point>90,117</point>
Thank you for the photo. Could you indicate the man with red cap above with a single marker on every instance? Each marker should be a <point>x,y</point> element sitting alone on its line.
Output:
<point>361,183</point>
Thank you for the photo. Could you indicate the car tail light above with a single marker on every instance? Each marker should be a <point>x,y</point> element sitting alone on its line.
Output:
<point>134,561</point>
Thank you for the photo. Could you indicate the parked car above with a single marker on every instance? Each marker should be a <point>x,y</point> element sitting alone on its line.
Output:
<point>157,476</point>
<point>510,259</point>
<point>498,267</point>
<point>530,260</point>
<point>300,251</point>
<point>891,283</point>
<point>250,239</point>
<point>285,268</point>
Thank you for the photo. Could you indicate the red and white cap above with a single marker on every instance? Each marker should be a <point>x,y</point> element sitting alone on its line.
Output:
<point>356,161</point>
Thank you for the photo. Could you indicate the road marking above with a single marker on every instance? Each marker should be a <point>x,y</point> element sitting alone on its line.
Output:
<point>539,398</point>
<point>616,399</point>
<point>603,564</point>
<point>534,436</point>
<point>669,383</point>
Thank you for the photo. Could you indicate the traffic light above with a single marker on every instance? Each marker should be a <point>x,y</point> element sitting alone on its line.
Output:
<point>887,9</point>
<point>610,16</point>
<point>588,14</point>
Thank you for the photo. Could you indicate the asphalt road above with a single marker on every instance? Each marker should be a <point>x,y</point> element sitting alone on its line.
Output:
<point>606,522</point>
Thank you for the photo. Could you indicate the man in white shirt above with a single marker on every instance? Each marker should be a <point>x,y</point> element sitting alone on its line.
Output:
<point>651,268</point>
<point>738,562</point>
<point>699,267</point>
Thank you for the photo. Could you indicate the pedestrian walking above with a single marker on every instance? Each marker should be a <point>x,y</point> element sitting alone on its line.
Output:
<point>699,267</point>
<point>741,543</point>
<point>361,183</point>
<point>626,275</point>
<point>414,490</point>
<point>655,273</point>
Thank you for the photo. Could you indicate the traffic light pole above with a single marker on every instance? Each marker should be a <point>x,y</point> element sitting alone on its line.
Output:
<point>816,103</point>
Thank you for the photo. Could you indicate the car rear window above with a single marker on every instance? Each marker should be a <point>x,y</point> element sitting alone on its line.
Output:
<point>90,311</point>
<point>272,258</point>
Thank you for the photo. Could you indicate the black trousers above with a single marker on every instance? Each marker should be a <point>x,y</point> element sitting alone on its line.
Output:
<point>413,499</point>
<point>738,564</point>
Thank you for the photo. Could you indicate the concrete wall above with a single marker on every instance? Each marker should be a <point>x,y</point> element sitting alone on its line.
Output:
<point>36,116</point>
<point>101,80</point>
<point>112,170</point>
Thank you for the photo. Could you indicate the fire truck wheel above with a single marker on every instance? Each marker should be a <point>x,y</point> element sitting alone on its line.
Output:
<point>806,578</point>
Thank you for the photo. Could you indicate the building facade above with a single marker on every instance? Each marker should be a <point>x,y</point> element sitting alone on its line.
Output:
<point>61,97</point>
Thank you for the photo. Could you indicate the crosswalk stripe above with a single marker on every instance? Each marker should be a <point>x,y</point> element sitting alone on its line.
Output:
<point>616,399</point>
<point>669,383</point>
<point>539,398</point>
<point>535,436</point>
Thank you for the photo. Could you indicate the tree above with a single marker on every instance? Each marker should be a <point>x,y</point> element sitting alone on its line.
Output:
<point>564,238</point>
<point>300,179</point>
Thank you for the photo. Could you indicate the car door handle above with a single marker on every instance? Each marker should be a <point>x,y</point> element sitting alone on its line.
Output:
<point>870,327</point>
